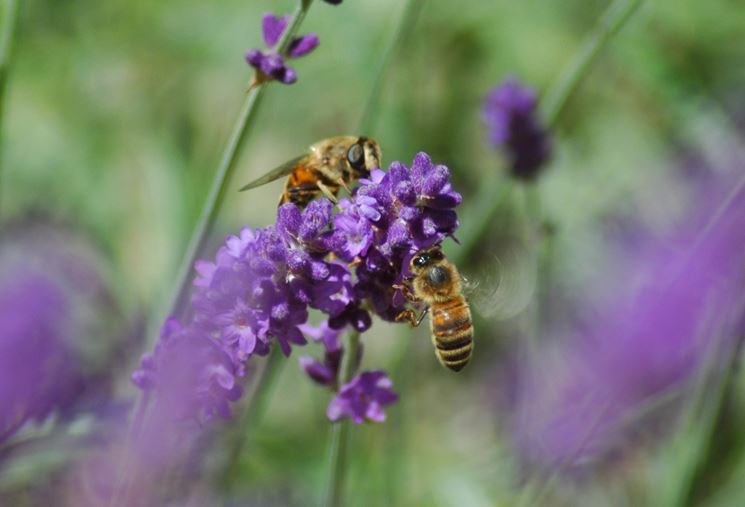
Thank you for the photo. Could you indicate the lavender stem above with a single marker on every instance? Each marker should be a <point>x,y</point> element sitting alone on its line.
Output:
<point>407,20</point>
<point>10,17</point>
<point>340,430</point>
<point>554,103</point>
<point>609,24</point>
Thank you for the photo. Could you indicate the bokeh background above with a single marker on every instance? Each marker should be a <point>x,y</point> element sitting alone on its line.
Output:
<point>117,112</point>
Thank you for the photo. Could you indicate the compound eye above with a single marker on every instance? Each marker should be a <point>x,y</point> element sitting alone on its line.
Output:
<point>356,156</point>
<point>436,255</point>
<point>420,261</point>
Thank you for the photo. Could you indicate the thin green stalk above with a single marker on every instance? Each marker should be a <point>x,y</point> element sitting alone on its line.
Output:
<point>407,19</point>
<point>340,431</point>
<point>215,199</point>
<point>225,170</point>
<point>10,18</point>
<point>484,207</point>
<point>609,24</point>
<point>211,210</point>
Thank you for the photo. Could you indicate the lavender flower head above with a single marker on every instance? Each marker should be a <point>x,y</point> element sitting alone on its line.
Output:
<point>652,338</point>
<point>270,65</point>
<point>363,398</point>
<point>262,285</point>
<point>511,118</point>
<point>51,296</point>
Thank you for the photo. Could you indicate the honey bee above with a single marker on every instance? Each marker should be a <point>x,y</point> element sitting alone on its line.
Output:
<point>436,283</point>
<point>330,164</point>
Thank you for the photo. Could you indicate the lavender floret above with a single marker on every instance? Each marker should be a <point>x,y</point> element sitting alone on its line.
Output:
<point>514,126</point>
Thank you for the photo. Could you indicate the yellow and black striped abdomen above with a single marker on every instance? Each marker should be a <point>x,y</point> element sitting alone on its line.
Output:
<point>452,332</point>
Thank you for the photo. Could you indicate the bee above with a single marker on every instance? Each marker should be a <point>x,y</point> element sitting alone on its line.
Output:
<point>435,281</point>
<point>329,165</point>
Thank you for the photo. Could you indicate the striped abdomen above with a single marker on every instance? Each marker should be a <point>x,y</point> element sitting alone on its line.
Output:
<point>452,332</point>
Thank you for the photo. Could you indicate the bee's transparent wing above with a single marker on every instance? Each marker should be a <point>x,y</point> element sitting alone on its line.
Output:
<point>275,173</point>
<point>506,287</point>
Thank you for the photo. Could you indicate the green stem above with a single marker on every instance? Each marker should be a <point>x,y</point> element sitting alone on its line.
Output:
<point>609,24</point>
<point>10,17</point>
<point>485,205</point>
<point>406,22</point>
<point>225,170</point>
<point>340,431</point>
<point>215,198</point>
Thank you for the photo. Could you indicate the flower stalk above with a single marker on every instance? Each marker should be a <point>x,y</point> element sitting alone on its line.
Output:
<point>10,17</point>
<point>553,105</point>
<point>340,431</point>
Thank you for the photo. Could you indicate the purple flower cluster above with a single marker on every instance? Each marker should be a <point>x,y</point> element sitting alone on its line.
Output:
<point>511,118</point>
<point>270,65</point>
<point>687,301</point>
<point>263,283</point>
<point>392,216</point>
<point>53,307</point>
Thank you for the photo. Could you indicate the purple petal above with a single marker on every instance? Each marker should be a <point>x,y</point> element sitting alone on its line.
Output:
<point>301,46</point>
<point>272,28</point>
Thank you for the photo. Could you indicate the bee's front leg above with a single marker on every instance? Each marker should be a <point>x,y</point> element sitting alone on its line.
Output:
<point>327,192</point>
<point>343,184</point>
<point>407,292</point>
<point>411,317</point>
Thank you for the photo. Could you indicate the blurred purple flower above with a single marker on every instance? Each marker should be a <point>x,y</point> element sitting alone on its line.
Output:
<point>51,295</point>
<point>651,339</point>
<point>271,65</point>
<point>363,398</point>
<point>512,120</point>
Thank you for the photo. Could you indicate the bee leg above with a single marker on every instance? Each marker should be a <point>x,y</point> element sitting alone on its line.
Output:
<point>327,192</point>
<point>343,185</point>
<point>409,316</point>
<point>408,294</point>
<point>421,316</point>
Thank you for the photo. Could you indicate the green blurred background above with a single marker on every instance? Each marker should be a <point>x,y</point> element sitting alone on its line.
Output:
<point>118,111</point>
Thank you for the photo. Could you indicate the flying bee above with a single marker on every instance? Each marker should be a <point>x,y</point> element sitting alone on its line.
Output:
<point>330,164</point>
<point>435,281</point>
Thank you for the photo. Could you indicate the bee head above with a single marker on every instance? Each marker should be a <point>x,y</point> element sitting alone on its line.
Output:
<point>426,258</point>
<point>363,156</point>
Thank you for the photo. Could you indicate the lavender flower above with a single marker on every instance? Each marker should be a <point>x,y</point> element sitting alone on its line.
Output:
<point>259,289</point>
<point>363,398</point>
<point>652,339</point>
<point>391,216</point>
<point>271,65</point>
<point>51,295</point>
<point>511,117</point>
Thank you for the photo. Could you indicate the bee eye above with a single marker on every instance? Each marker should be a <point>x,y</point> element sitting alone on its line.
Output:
<point>437,255</point>
<point>420,261</point>
<point>356,156</point>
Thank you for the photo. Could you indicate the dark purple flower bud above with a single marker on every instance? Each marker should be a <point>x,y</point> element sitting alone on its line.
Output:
<point>363,398</point>
<point>272,28</point>
<point>254,57</point>
<point>271,64</point>
<point>301,46</point>
<point>512,120</point>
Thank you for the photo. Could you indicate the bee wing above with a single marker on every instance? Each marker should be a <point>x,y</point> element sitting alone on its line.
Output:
<point>507,287</point>
<point>276,173</point>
